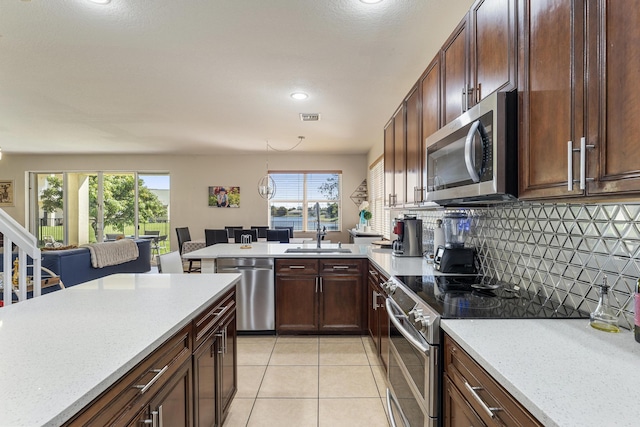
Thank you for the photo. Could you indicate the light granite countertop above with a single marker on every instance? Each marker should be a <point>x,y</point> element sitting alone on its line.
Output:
<point>563,371</point>
<point>61,350</point>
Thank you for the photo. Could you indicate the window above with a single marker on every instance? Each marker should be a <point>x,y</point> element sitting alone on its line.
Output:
<point>380,217</point>
<point>296,196</point>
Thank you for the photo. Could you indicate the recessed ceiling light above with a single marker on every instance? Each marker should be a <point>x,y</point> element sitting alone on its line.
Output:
<point>370,1</point>
<point>299,95</point>
<point>100,1</point>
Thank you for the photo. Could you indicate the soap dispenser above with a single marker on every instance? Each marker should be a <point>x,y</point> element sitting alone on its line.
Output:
<point>603,318</point>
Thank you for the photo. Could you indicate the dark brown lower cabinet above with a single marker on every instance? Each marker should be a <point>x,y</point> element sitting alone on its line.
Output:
<point>172,405</point>
<point>215,375</point>
<point>324,295</point>
<point>378,320</point>
<point>473,398</point>
<point>176,385</point>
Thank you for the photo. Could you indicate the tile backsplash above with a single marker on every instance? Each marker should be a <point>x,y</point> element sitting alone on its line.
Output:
<point>561,249</point>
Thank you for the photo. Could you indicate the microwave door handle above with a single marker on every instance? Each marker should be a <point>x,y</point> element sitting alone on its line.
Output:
<point>469,158</point>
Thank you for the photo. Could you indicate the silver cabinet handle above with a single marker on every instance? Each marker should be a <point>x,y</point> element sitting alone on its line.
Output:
<point>478,92</point>
<point>340,267</point>
<point>374,300</point>
<point>160,416</point>
<point>473,391</point>
<point>321,285</point>
<point>469,152</point>
<point>583,162</point>
<point>317,279</point>
<point>464,95</point>
<point>153,421</point>
<point>144,387</point>
<point>221,346</point>
<point>296,267</point>
<point>570,165</point>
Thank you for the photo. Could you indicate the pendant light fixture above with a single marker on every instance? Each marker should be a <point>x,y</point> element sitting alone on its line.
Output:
<point>266,184</point>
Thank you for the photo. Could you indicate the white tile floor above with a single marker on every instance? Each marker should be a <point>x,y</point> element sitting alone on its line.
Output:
<point>308,381</point>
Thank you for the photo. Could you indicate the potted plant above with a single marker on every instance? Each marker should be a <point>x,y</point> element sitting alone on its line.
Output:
<point>365,215</point>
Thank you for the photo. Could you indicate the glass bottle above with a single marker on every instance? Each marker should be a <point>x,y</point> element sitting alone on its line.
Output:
<point>603,318</point>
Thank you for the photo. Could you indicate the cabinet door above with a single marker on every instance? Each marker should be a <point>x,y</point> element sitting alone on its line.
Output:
<point>341,303</point>
<point>551,93</point>
<point>228,359</point>
<point>173,402</point>
<point>430,87</point>
<point>296,303</point>
<point>372,308</point>
<point>204,374</point>
<point>389,164</point>
<point>457,410</point>
<point>414,147</point>
<point>492,47</point>
<point>454,56</point>
<point>613,103</point>
<point>399,156</point>
<point>383,323</point>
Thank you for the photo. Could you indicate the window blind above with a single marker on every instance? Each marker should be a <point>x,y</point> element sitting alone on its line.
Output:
<point>380,220</point>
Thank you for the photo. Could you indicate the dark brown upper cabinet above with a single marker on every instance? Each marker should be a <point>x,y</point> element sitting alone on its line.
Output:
<point>389,164</point>
<point>479,57</point>
<point>578,115</point>
<point>414,142</point>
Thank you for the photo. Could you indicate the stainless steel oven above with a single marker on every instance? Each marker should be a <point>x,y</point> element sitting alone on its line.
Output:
<point>413,375</point>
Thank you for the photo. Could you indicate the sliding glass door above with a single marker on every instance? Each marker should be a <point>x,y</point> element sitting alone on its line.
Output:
<point>87,207</point>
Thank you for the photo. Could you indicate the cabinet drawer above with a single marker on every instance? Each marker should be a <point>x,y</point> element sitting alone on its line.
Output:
<point>206,322</point>
<point>297,266</point>
<point>136,388</point>
<point>480,389</point>
<point>341,266</point>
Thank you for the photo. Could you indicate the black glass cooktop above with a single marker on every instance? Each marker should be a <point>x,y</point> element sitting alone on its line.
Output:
<point>479,297</point>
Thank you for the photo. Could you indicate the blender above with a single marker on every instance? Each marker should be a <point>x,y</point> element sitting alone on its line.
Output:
<point>454,257</point>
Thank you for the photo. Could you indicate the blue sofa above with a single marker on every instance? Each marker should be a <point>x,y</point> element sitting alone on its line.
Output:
<point>74,265</point>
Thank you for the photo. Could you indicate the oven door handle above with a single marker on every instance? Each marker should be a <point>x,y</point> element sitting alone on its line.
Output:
<point>392,401</point>
<point>414,342</point>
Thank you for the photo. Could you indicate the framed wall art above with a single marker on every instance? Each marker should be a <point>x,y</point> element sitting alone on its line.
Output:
<point>6,192</point>
<point>224,197</point>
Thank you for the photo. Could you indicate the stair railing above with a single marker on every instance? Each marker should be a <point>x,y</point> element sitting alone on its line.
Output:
<point>27,245</point>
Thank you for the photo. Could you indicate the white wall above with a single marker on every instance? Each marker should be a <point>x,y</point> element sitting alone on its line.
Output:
<point>190,178</point>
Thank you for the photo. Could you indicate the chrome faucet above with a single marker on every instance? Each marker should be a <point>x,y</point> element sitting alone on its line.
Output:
<point>319,232</point>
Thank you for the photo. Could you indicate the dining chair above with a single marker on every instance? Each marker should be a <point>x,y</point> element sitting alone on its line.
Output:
<point>157,244</point>
<point>281,227</point>
<point>184,236</point>
<point>213,236</point>
<point>262,230</point>
<point>237,235</point>
<point>170,263</point>
<point>230,229</point>
<point>151,233</point>
<point>281,236</point>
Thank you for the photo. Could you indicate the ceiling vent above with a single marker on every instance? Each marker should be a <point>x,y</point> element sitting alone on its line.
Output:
<point>309,117</point>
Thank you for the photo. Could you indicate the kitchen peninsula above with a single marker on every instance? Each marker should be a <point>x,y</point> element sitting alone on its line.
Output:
<point>63,350</point>
<point>555,368</point>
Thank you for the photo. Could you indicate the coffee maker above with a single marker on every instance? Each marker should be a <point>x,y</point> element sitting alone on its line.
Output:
<point>409,231</point>
<point>454,257</point>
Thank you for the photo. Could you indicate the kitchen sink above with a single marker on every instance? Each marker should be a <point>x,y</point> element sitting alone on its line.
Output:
<point>317,251</point>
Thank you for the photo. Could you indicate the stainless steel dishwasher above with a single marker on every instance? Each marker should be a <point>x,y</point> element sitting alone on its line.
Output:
<point>255,294</point>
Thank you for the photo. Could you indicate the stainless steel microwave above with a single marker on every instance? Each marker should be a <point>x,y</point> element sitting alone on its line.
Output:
<point>473,159</point>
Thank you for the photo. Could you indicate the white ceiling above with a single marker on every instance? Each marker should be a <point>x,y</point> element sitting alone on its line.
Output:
<point>207,76</point>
